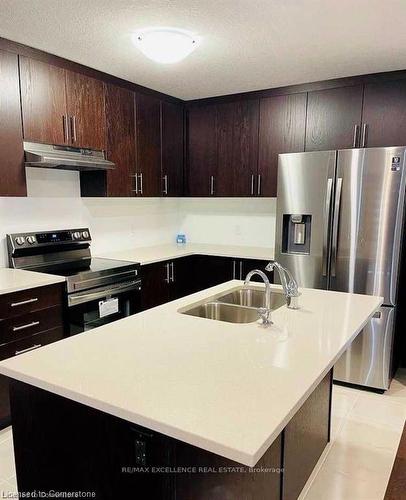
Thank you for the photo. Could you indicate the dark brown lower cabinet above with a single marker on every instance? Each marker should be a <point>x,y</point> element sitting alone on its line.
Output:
<point>14,349</point>
<point>155,285</point>
<point>172,279</point>
<point>117,459</point>
<point>29,320</point>
<point>211,270</point>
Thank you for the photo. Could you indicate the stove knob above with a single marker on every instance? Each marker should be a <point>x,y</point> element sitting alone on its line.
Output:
<point>76,235</point>
<point>20,240</point>
<point>85,234</point>
<point>31,240</point>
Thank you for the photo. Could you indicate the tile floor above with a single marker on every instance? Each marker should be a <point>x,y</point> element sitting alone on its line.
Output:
<point>356,465</point>
<point>366,430</point>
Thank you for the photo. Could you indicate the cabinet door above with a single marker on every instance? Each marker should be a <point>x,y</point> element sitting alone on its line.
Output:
<point>384,114</point>
<point>43,102</point>
<point>237,148</point>
<point>282,128</point>
<point>12,349</point>
<point>120,113</point>
<point>12,178</point>
<point>155,287</point>
<point>172,149</point>
<point>333,118</point>
<point>202,150</point>
<point>148,129</point>
<point>183,271</point>
<point>212,270</point>
<point>85,103</point>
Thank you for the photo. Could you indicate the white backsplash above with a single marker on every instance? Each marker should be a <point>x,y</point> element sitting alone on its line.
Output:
<point>54,202</point>
<point>233,221</point>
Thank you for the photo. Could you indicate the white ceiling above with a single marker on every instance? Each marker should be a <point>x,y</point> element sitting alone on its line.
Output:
<point>246,44</point>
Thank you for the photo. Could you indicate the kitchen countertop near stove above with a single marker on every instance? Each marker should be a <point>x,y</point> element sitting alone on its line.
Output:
<point>227,388</point>
<point>158,253</point>
<point>15,280</point>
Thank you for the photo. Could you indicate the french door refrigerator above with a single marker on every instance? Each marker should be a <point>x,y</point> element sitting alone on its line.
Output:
<point>339,227</point>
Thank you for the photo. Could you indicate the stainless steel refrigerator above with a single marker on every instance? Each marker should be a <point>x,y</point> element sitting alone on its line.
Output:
<point>339,227</point>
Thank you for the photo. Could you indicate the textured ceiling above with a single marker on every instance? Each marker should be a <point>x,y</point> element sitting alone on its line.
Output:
<point>246,44</point>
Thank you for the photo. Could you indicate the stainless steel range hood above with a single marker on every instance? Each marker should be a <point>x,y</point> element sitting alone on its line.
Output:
<point>64,157</point>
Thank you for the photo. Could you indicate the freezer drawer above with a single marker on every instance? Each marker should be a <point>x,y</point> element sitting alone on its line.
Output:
<point>367,361</point>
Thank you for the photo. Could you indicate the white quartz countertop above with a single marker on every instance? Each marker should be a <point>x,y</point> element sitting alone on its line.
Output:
<point>149,255</point>
<point>227,388</point>
<point>14,280</point>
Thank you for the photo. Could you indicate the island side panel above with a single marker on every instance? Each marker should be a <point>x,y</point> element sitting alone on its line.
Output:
<point>305,438</point>
<point>63,445</point>
<point>216,478</point>
<point>66,446</point>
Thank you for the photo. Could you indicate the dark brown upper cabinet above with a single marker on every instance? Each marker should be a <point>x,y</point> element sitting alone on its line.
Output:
<point>282,128</point>
<point>120,113</point>
<point>85,104</point>
<point>201,150</point>
<point>172,149</point>
<point>61,106</point>
<point>43,101</point>
<point>12,172</point>
<point>334,118</point>
<point>237,142</point>
<point>148,131</point>
<point>384,114</point>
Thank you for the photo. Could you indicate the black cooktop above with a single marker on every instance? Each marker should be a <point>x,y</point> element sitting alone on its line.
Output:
<point>87,266</point>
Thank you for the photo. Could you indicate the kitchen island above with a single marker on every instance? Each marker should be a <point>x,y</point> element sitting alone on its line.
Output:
<point>167,405</point>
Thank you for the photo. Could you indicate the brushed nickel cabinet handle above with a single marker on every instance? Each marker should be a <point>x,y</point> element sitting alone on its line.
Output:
<point>234,269</point>
<point>28,349</point>
<point>364,135</point>
<point>355,138</point>
<point>172,273</point>
<point>165,179</point>
<point>24,302</point>
<point>65,128</point>
<point>240,269</point>
<point>73,128</point>
<point>212,185</point>
<point>23,327</point>
<point>259,185</point>
<point>135,176</point>
<point>252,184</point>
<point>168,277</point>
<point>141,183</point>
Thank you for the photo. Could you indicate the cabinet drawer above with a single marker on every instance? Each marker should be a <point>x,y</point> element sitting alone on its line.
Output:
<point>18,327</point>
<point>30,343</point>
<point>34,299</point>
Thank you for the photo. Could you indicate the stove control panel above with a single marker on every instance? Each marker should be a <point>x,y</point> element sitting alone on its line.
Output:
<point>47,238</point>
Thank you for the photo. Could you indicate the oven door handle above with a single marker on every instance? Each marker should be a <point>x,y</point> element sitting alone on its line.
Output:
<point>76,299</point>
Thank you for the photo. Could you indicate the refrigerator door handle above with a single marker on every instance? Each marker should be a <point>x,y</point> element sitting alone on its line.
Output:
<point>334,242</point>
<point>327,209</point>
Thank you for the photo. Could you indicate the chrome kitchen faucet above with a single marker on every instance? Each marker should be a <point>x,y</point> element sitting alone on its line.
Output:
<point>288,282</point>
<point>264,312</point>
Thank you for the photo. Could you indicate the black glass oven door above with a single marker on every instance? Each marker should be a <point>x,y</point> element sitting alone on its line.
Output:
<point>86,315</point>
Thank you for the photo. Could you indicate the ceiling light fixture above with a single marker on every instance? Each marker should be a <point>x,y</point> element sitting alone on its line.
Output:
<point>165,45</point>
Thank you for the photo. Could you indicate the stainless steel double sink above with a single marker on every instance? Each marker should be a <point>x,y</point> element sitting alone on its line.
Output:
<point>236,306</point>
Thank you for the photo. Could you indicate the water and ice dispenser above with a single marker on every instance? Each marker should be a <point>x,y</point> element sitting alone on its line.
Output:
<point>296,233</point>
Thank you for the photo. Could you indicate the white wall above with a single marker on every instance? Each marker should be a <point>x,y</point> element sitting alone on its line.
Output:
<point>54,202</point>
<point>233,221</point>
